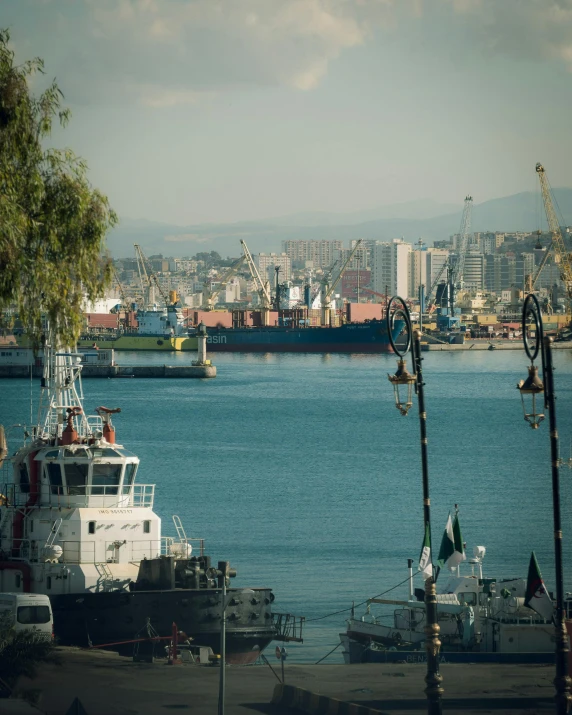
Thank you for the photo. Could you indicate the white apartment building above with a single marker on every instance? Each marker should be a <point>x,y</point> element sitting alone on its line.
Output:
<point>391,268</point>
<point>435,259</point>
<point>267,263</point>
<point>322,254</point>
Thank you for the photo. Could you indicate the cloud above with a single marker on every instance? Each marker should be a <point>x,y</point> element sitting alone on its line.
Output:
<point>537,30</point>
<point>211,45</point>
<point>164,53</point>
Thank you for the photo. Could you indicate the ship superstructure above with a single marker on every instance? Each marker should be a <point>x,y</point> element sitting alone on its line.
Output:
<point>76,525</point>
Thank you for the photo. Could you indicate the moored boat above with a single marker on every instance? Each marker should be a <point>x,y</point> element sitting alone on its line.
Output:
<point>77,526</point>
<point>481,619</point>
<point>370,337</point>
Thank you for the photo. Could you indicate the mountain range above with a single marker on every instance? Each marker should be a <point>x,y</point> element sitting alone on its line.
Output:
<point>412,220</point>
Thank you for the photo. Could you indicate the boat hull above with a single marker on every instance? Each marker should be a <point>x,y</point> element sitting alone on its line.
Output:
<point>359,652</point>
<point>369,337</point>
<point>117,617</point>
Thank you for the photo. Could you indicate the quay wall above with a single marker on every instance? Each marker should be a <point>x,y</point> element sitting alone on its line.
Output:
<point>476,345</point>
<point>185,371</point>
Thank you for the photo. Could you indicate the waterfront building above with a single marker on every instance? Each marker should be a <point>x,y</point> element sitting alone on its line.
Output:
<point>391,268</point>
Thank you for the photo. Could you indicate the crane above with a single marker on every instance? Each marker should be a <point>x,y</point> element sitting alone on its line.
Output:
<point>148,277</point>
<point>459,266</point>
<point>210,296</point>
<point>124,302</point>
<point>372,292</point>
<point>328,289</point>
<point>454,270</point>
<point>557,245</point>
<point>262,287</point>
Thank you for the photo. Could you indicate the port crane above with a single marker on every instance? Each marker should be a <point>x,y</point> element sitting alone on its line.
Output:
<point>210,296</point>
<point>557,246</point>
<point>327,289</point>
<point>148,278</point>
<point>373,292</point>
<point>454,270</point>
<point>124,302</point>
<point>262,287</point>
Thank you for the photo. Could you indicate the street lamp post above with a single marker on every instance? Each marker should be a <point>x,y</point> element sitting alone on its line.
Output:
<point>532,387</point>
<point>397,309</point>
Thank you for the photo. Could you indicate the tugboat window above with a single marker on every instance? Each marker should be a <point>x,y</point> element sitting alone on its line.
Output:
<point>106,478</point>
<point>55,476</point>
<point>91,527</point>
<point>76,478</point>
<point>146,527</point>
<point>24,478</point>
<point>130,470</point>
<point>18,580</point>
<point>48,581</point>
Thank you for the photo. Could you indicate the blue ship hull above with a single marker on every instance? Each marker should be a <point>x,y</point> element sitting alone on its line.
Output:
<point>369,337</point>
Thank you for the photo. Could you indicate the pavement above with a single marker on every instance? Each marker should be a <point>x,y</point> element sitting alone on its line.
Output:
<point>109,684</point>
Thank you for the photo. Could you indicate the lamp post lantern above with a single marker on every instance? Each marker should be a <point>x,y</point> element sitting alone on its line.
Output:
<point>533,386</point>
<point>397,309</point>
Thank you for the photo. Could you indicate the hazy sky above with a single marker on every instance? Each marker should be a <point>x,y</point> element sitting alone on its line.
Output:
<point>192,111</point>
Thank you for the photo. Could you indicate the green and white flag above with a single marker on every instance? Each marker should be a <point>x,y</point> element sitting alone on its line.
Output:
<point>425,565</point>
<point>537,596</point>
<point>451,552</point>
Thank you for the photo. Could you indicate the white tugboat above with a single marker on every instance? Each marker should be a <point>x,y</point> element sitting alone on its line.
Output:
<point>75,525</point>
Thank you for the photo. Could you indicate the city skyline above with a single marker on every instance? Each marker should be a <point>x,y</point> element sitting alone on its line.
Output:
<point>189,112</point>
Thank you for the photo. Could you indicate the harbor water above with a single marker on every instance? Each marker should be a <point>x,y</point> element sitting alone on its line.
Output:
<point>300,470</point>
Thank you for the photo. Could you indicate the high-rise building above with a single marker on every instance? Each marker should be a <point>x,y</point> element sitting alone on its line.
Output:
<point>321,253</point>
<point>505,272</point>
<point>391,268</point>
<point>435,259</point>
<point>474,269</point>
<point>267,263</point>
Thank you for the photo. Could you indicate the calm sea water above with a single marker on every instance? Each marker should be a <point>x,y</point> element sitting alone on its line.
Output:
<point>301,472</point>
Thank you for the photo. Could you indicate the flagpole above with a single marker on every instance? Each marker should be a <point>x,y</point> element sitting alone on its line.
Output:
<point>533,386</point>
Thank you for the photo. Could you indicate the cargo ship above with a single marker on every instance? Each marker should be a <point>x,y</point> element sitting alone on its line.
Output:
<point>371,337</point>
<point>157,329</point>
<point>77,526</point>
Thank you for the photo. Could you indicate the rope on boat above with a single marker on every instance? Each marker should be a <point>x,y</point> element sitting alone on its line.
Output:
<point>328,654</point>
<point>343,610</point>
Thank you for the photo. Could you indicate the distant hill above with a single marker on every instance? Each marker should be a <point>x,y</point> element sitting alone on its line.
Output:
<point>519,212</point>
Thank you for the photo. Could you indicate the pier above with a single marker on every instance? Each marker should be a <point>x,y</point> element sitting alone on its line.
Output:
<point>391,689</point>
<point>117,371</point>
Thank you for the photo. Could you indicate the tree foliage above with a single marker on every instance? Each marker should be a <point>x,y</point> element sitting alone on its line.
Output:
<point>52,221</point>
<point>21,652</point>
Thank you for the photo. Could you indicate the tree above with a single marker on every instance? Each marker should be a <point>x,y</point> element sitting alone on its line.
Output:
<point>52,222</point>
<point>22,652</point>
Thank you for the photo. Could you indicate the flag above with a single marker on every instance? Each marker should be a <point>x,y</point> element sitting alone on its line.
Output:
<point>451,552</point>
<point>425,565</point>
<point>537,596</point>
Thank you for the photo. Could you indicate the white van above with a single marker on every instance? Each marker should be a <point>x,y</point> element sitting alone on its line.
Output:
<point>28,612</point>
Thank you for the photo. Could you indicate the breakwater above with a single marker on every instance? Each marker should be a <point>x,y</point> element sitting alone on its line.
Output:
<point>118,371</point>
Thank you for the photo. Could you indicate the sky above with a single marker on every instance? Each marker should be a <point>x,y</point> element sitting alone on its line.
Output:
<point>200,111</point>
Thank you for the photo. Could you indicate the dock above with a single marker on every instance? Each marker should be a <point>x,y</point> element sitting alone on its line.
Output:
<point>391,689</point>
<point>119,371</point>
<point>479,345</point>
